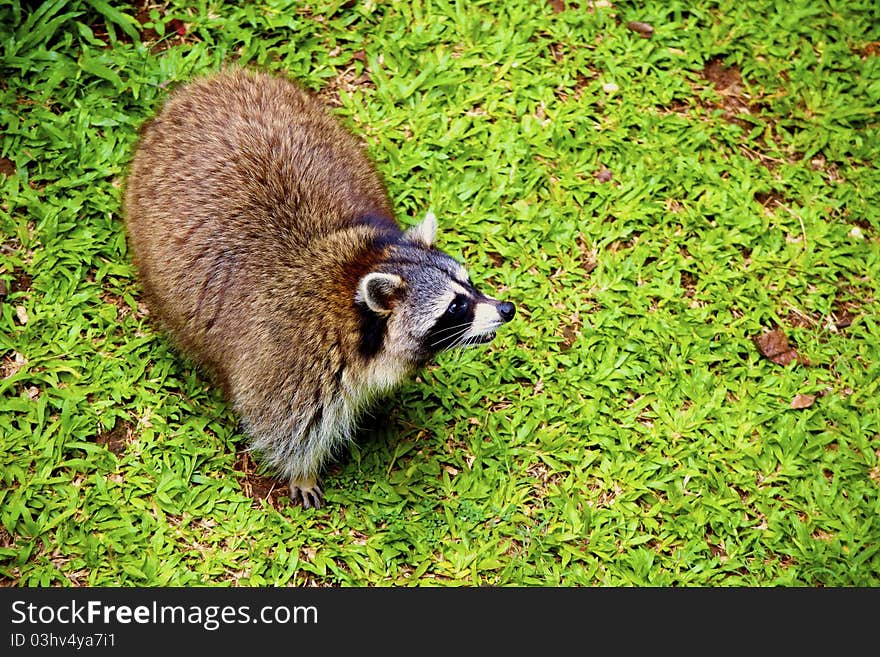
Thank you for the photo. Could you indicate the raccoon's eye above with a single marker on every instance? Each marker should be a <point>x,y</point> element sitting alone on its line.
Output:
<point>458,306</point>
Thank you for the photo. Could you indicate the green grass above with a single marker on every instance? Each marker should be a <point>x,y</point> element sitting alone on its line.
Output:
<point>623,430</point>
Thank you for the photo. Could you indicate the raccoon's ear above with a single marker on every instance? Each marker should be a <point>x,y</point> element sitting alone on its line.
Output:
<point>377,289</point>
<point>425,232</point>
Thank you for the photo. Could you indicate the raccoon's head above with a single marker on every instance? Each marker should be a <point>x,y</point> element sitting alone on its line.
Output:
<point>420,301</point>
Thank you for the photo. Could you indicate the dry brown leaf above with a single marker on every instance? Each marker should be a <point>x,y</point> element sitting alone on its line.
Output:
<point>644,30</point>
<point>774,346</point>
<point>802,401</point>
<point>871,49</point>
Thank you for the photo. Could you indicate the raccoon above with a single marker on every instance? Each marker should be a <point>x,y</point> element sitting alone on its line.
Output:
<point>266,246</point>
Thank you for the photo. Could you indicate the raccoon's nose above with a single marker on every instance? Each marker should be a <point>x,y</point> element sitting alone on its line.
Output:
<point>507,310</point>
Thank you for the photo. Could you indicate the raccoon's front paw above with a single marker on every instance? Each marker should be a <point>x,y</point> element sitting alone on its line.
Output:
<point>307,492</point>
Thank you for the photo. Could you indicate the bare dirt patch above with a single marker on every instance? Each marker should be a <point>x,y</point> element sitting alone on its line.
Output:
<point>770,200</point>
<point>118,438</point>
<point>688,281</point>
<point>175,30</point>
<point>7,167</point>
<point>728,83</point>
<point>21,281</point>
<point>571,330</point>
<point>847,305</point>
<point>257,486</point>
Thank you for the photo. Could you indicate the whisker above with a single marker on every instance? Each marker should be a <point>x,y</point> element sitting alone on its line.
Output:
<point>459,341</point>
<point>450,329</point>
<point>455,337</point>
<point>455,340</point>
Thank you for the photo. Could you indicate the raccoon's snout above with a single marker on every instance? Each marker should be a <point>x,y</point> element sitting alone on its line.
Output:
<point>506,310</point>
<point>488,316</point>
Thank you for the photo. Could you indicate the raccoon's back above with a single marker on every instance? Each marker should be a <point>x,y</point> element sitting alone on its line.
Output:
<point>251,156</point>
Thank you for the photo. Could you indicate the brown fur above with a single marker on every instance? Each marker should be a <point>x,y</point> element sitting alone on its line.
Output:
<point>239,206</point>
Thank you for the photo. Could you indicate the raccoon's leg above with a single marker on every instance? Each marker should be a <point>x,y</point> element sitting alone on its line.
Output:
<point>307,492</point>
<point>306,458</point>
<point>330,424</point>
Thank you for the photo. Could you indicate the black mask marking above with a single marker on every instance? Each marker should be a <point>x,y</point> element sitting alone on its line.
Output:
<point>451,325</point>
<point>373,328</point>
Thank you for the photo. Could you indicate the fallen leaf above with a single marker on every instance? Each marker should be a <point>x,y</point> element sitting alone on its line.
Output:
<point>7,167</point>
<point>644,30</point>
<point>22,315</point>
<point>604,175</point>
<point>569,335</point>
<point>802,401</point>
<point>871,49</point>
<point>774,346</point>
